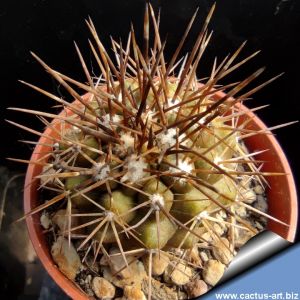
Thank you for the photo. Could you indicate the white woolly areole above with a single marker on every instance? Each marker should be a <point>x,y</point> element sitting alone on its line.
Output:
<point>102,171</point>
<point>106,120</point>
<point>110,215</point>
<point>203,215</point>
<point>135,169</point>
<point>157,200</point>
<point>183,166</point>
<point>167,138</point>
<point>128,140</point>
<point>172,102</point>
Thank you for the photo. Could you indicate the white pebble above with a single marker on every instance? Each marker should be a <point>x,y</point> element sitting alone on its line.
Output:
<point>221,251</point>
<point>179,273</point>
<point>204,256</point>
<point>213,272</point>
<point>66,257</point>
<point>45,220</point>
<point>103,289</point>
<point>259,190</point>
<point>133,293</point>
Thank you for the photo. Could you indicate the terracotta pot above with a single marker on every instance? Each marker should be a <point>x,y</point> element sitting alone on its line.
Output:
<point>282,197</point>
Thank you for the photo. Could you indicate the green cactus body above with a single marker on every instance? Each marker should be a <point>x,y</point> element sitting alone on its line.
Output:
<point>148,232</point>
<point>71,134</point>
<point>213,135</point>
<point>91,142</point>
<point>153,187</point>
<point>189,204</point>
<point>207,165</point>
<point>74,185</point>
<point>108,236</point>
<point>184,239</point>
<point>119,203</point>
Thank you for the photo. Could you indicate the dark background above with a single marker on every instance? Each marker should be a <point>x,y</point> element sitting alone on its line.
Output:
<point>49,28</point>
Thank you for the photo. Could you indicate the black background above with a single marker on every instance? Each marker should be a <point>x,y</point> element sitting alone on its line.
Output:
<point>50,27</point>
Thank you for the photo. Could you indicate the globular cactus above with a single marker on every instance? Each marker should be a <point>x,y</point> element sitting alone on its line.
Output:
<point>151,161</point>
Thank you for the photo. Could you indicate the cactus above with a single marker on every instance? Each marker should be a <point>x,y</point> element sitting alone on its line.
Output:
<point>149,157</point>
